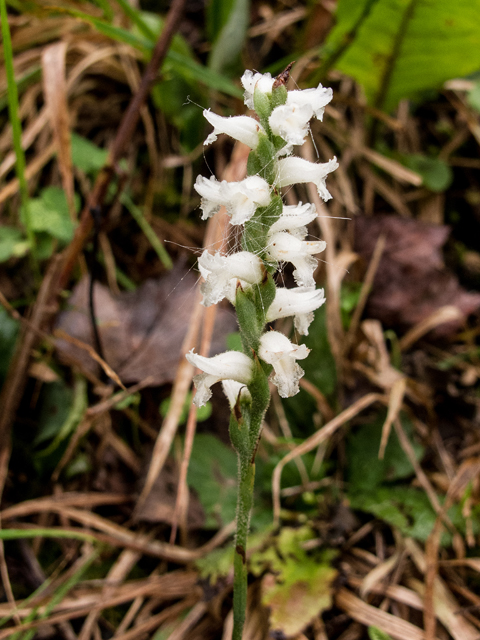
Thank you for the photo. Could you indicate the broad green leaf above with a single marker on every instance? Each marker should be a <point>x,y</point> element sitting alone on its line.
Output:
<point>401,48</point>
<point>296,586</point>
<point>8,334</point>
<point>75,414</point>
<point>404,508</point>
<point>227,46</point>
<point>437,175</point>
<point>49,213</point>
<point>305,591</point>
<point>86,156</point>
<point>212,472</point>
<point>12,243</point>
<point>365,470</point>
<point>57,399</point>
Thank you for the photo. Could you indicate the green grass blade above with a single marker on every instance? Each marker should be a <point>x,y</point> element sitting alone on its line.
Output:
<point>152,237</point>
<point>13,110</point>
<point>19,534</point>
<point>135,17</point>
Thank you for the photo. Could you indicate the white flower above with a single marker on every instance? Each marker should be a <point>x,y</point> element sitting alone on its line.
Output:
<point>277,350</point>
<point>294,219</point>
<point>290,122</point>
<point>298,170</point>
<point>285,247</point>
<point>317,99</point>
<point>241,128</point>
<point>300,303</point>
<point>233,390</point>
<point>240,198</point>
<point>231,365</point>
<point>219,271</point>
<point>260,82</point>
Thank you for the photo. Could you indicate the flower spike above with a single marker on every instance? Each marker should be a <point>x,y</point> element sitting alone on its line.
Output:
<point>272,233</point>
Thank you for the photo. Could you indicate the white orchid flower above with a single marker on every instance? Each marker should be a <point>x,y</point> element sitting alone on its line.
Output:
<point>240,198</point>
<point>298,170</point>
<point>317,99</point>
<point>300,303</point>
<point>277,350</point>
<point>261,82</point>
<point>285,247</point>
<point>231,365</point>
<point>222,272</point>
<point>290,122</point>
<point>233,390</point>
<point>242,128</point>
<point>294,219</point>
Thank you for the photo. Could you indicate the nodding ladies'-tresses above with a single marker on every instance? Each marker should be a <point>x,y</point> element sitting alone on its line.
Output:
<point>273,233</point>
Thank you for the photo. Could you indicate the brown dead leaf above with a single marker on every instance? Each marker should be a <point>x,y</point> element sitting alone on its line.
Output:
<point>159,505</point>
<point>141,331</point>
<point>412,281</point>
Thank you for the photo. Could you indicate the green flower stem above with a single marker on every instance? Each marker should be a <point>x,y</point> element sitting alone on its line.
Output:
<point>244,507</point>
<point>251,307</point>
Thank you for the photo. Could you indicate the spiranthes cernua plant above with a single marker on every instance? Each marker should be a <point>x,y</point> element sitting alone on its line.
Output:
<point>272,233</point>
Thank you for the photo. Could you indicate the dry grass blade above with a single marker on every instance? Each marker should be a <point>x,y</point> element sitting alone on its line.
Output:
<point>395,402</point>
<point>59,333</point>
<point>55,91</point>
<point>437,318</point>
<point>371,616</point>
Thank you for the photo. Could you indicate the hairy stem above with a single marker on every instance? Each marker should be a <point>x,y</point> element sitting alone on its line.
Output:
<point>246,469</point>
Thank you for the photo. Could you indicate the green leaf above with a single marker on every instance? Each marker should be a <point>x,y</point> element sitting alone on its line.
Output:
<point>401,48</point>
<point>437,175</point>
<point>75,414</point>
<point>227,47</point>
<point>213,474</point>
<point>297,586</point>
<point>57,400</point>
<point>377,634</point>
<point>365,470</point>
<point>8,334</point>
<point>50,213</point>
<point>404,508</point>
<point>86,156</point>
<point>12,243</point>
<point>473,97</point>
